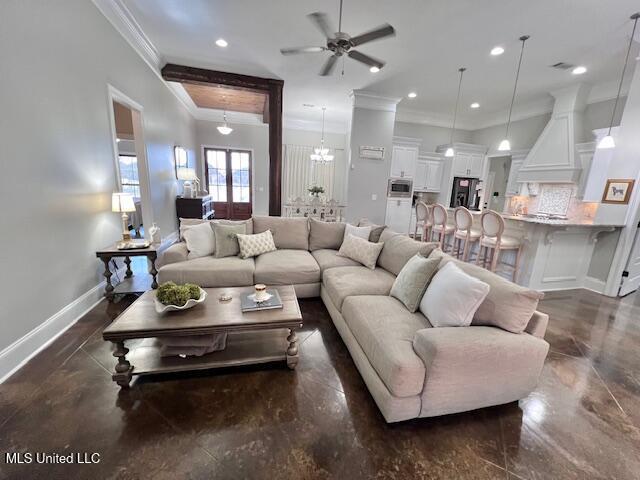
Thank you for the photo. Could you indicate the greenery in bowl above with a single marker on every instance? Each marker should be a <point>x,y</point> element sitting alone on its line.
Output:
<point>171,294</point>
<point>316,191</point>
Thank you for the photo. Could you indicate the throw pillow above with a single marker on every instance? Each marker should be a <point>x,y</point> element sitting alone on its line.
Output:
<point>361,232</point>
<point>361,250</point>
<point>452,297</point>
<point>413,280</point>
<point>227,239</point>
<point>325,234</point>
<point>376,230</point>
<point>254,245</point>
<point>200,240</point>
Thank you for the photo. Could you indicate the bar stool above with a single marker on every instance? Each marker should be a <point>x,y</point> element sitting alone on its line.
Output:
<point>423,221</point>
<point>440,227</point>
<point>492,237</point>
<point>464,232</point>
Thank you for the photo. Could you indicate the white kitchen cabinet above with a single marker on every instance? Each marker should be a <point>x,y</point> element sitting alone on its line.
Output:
<point>434,176</point>
<point>468,164</point>
<point>476,162</point>
<point>398,215</point>
<point>403,161</point>
<point>422,172</point>
<point>513,187</point>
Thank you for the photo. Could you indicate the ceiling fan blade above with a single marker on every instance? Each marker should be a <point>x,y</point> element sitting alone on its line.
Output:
<point>321,21</point>
<point>382,31</point>
<point>366,59</point>
<point>297,50</point>
<point>329,65</point>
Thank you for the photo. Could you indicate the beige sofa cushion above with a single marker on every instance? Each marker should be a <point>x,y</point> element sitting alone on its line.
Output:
<point>343,282</point>
<point>286,267</point>
<point>292,233</point>
<point>376,230</point>
<point>327,258</point>
<point>508,305</point>
<point>188,222</point>
<point>384,329</point>
<point>361,250</point>
<point>325,234</point>
<point>177,252</point>
<point>210,272</point>
<point>398,249</point>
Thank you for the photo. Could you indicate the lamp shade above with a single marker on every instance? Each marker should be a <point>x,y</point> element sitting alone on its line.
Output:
<point>449,152</point>
<point>607,142</point>
<point>122,202</point>
<point>225,129</point>
<point>504,146</point>
<point>186,174</point>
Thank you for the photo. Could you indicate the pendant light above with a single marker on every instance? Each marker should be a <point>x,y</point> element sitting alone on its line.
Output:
<point>224,129</point>
<point>449,152</point>
<point>607,141</point>
<point>505,145</point>
<point>321,154</point>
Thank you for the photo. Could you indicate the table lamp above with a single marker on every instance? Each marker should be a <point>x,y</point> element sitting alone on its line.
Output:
<point>188,175</point>
<point>123,203</point>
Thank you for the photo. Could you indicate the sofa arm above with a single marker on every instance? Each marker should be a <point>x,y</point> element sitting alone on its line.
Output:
<point>175,253</point>
<point>537,325</point>
<point>477,366</point>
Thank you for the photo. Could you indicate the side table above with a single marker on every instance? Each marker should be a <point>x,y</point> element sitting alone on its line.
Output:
<point>131,283</point>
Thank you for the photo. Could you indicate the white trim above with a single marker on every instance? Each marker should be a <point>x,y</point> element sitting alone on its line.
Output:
<point>594,284</point>
<point>291,123</point>
<point>16,355</point>
<point>373,101</point>
<point>407,141</point>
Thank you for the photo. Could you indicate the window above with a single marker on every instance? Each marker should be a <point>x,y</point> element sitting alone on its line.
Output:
<point>217,174</point>
<point>129,174</point>
<point>240,176</point>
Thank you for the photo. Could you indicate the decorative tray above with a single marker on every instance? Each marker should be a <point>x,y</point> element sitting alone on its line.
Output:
<point>162,308</point>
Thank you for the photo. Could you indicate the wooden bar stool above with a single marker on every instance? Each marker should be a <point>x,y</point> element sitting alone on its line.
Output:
<point>440,226</point>
<point>492,225</point>
<point>464,232</point>
<point>423,221</point>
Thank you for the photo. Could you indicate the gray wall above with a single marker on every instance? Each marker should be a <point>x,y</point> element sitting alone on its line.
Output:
<point>431,136</point>
<point>57,152</point>
<point>369,177</point>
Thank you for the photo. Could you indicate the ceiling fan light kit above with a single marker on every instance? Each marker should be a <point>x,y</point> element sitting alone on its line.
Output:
<point>505,145</point>
<point>608,141</point>
<point>341,43</point>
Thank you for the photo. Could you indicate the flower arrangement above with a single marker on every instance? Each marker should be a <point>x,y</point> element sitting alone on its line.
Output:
<point>316,190</point>
<point>171,294</point>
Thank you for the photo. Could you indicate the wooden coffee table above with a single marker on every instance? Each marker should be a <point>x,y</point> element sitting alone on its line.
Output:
<point>253,337</point>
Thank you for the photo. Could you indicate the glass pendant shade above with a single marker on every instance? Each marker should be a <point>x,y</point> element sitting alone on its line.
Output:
<point>321,154</point>
<point>505,146</point>
<point>225,129</point>
<point>606,142</point>
<point>449,152</point>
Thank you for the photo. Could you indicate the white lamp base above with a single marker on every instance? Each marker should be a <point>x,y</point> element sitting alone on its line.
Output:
<point>125,227</point>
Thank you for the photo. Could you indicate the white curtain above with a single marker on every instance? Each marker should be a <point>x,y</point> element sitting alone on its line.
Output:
<point>300,173</point>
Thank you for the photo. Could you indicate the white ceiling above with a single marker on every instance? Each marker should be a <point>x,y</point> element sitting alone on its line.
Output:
<point>434,38</point>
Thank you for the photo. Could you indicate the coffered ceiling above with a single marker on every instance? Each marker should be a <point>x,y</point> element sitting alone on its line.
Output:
<point>224,98</point>
<point>434,38</point>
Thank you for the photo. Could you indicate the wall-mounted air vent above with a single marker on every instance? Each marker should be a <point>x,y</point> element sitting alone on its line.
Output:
<point>562,66</point>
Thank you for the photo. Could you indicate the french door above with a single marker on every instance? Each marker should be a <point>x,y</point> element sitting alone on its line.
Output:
<point>228,176</point>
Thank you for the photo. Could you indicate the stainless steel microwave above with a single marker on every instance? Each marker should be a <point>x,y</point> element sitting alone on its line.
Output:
<point>399,187</point>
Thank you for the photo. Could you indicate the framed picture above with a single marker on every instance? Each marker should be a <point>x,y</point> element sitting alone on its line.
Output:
<point>181,158</point>
<point>618,191</point>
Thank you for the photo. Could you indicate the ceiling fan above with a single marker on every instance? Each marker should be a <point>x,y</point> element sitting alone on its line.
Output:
<point>341,43</point>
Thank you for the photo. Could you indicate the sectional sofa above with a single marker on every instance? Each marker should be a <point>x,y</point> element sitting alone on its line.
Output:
<point>411,369</point>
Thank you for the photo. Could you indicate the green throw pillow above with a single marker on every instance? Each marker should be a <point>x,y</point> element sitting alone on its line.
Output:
<point>227,239</point>
<point>413,280</point>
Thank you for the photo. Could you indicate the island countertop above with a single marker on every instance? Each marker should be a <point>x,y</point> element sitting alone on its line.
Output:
<point>541,220</point>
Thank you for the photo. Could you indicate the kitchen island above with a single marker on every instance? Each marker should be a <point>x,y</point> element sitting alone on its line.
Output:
<point>556,253</point>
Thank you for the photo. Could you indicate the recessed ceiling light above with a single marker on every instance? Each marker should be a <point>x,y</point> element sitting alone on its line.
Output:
<point>412,95</point>
<point>579,70</point>
<point>221,42</point>
<point>497,51</point>
<point>374,69</point>
<point>475,105</point>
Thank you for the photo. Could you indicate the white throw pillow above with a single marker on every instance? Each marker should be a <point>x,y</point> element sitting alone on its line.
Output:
<point>453,297</point>
<point>254,245</point>
<point>361,250</point>
<point>360,232</point>
<point>200,239</point>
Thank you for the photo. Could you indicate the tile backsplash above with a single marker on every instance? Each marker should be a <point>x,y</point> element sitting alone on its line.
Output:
<point>555,199</point>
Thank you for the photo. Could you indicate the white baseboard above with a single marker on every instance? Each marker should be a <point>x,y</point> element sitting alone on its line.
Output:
<point>595,285</point>
<point>16,355</point>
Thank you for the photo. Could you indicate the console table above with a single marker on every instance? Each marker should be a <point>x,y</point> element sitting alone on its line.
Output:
<point>131,283</point>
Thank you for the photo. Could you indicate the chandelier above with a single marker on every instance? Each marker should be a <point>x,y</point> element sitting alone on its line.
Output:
<point>321,154</point>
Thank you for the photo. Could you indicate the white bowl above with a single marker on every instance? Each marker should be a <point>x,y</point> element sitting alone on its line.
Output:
<point>162,308</point>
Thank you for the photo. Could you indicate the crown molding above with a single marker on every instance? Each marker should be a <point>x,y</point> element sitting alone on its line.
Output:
<point>432,119</point>
<point>313,125</point>
<point>373,101</point>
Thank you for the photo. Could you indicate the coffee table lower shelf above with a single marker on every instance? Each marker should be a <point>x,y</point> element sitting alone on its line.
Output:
<point>243,348</point>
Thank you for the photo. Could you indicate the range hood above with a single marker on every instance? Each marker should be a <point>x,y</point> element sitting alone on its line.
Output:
<point>553,158</point>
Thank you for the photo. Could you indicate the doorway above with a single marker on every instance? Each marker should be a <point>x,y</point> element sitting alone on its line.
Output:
<point>228,173</point>
<point>132,175</point>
